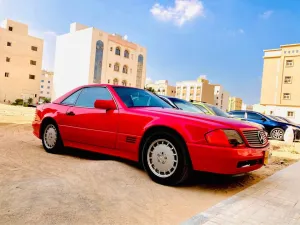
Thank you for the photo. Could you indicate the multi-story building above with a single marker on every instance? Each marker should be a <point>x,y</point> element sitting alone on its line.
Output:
<point>197,90</point>
<point>235,103</point>
<point>46,84</point>
<point>280,92</point>
<point>88,55</point>
<point>162,87</point>
<point>221,97</point>
<point>20,63</point>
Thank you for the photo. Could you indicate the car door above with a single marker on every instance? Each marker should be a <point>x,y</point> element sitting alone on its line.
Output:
<point>97,127</point>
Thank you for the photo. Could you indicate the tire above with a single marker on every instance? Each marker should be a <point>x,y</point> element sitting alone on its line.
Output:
<point>277,134</point>
<point>51,139</point>
<point>165,158</point>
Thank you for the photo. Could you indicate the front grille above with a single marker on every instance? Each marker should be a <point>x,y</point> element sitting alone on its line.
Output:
<point>256,138</point>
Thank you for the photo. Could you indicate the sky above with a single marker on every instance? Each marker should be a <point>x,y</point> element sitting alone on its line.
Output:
<point>221,39</point>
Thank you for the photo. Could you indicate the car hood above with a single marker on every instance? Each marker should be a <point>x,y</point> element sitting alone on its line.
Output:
<point>217,121</point>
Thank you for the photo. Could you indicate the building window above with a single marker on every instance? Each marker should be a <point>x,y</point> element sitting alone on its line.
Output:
<point>198,88</point>
<point>41,92</point>
<point>10,28</point>
<point>287,79</point>
<point>286,96</point>
<point>49,82</point>
<point>48,93</point>
<point>125,69</point>
<point>289,62</point>
<point>6,74</point>
<point>32,62</point>
<point>34,48</point>
<point>42,86</point>
<point>48,87</point>
<point>108,81</point>
<point>124,83</point>
<point>117,67</point>
<point>7,59</point>
<point>32,77</point>
<point>35,95</point>
<point>8,43</point>
<point>284,52</point>
<point>126,54</point>
<point>98,61</point>
<point>42,81</point>
<point>109,65</point>
<point>115,82</point>
<point>290,114</point>
<point>271,112</point>
<point>111,49</point>
<point>118,51</point>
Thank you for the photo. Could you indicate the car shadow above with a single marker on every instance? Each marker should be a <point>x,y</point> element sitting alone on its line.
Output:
<point>197,179</point>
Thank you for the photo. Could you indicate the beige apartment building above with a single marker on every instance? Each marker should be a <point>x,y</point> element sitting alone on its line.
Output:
<point>20,63</point>
<point>280,92</point>
<point>88,55</point>
<point>197,90</point>
<point>162,87</point>
<point>235,103</point>
<point>46,84</point>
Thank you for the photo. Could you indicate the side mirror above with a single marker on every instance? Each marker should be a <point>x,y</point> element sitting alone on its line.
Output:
<point>105,104</point>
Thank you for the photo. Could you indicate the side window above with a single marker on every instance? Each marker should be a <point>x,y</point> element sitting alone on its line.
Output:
<point>71,99</point>
<point>238,114</point>
<point>254,116</point>
<point>88,96</point>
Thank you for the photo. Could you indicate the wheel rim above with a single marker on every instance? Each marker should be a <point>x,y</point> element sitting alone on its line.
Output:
<point>162,158</point>
<point>50,136</point>
<point>277,134</point>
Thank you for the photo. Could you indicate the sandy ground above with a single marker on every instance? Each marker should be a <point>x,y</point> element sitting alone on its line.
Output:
<point>85,188</point>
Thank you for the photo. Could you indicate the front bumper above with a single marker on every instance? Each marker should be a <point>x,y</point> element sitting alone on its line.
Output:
<point>36,128</point>
<point>223,160</point>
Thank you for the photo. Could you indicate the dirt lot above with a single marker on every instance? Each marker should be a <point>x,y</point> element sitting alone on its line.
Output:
<point>85,188</point>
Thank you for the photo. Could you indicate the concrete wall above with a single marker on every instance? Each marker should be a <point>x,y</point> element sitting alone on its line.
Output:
<point>72,61</point>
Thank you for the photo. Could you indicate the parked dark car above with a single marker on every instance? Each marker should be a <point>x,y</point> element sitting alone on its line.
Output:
<point>213,110</point>
<point>287,120</point>
<point>275,128</point>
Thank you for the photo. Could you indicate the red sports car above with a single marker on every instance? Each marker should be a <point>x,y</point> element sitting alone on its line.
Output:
<point>137,125</point>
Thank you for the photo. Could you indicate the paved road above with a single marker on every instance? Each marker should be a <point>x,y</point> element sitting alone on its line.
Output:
<point>275,200</point>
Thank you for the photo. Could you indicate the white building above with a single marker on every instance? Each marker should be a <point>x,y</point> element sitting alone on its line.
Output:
<point>46,84</point>
<point>221,97</point>
<point>87,55</point>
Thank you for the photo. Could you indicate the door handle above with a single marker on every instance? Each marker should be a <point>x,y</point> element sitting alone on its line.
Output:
<point>70,113</point>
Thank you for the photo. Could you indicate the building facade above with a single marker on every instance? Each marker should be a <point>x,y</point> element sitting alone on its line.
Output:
<point>46,86</point>
<point>20,63</point>
<point>235,103</point>
<point>280,92</point>
<point>221,97</point>
<point>197,90</point>
<point>162,87</point>
<point>87,55</point>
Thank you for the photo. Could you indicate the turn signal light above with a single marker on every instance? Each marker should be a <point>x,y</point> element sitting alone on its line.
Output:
<point>226,138</point>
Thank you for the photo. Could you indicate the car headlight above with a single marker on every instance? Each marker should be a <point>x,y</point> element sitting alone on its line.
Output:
<point>224,137</point>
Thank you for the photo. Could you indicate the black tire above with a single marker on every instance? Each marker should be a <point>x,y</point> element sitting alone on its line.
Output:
<point>183,168</point>
<point>57,147</point>
<point>277,134</point>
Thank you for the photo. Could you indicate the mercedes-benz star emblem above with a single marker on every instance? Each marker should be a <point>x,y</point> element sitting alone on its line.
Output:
<point>260,137</point>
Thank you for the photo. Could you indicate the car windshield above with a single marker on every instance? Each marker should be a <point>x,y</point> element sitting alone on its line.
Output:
<point>185,105</point>
<point>217,111</point>
<point>134,97</point>
<point>277,119</point>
